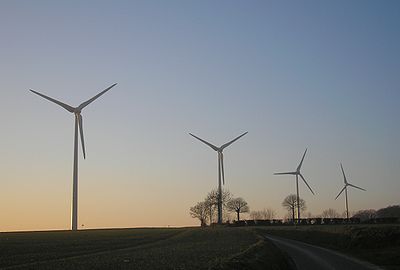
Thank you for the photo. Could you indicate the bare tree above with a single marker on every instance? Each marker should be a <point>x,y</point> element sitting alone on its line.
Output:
<point>255,215</point>
<point>268,213</point>
<point>238,205</point>
<point>227,217</point>
<point>308,215</point>
<point>330,213</point>
<point>200,211</point>
<point>263,214</point>
<point>212,202</point>
<point>365,215</point>
<point>290,204</point>
<point>287,217</point>
<point>390,211</point>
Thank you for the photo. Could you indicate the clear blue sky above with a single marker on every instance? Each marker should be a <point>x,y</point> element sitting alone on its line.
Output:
<point>316,74</point>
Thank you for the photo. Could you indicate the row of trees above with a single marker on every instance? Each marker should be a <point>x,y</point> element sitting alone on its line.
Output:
<point>290,204</point>
<point>263,214</point>
<point>206,211</point>
<point>387,212</point>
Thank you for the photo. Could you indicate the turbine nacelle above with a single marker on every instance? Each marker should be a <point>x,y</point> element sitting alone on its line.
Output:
<point>216,148</point>
<point>219,150</point>
<point>346,183</point>
<point>76,110</point>
<point>298,173</point>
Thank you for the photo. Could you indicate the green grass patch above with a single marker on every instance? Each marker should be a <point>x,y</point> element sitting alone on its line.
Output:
<point>183,248</point>
<point>378,244</point>
<point>263,255</point>
<point>33,247</point>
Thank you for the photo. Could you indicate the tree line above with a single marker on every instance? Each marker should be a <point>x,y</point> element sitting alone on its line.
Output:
<point>206,210</point>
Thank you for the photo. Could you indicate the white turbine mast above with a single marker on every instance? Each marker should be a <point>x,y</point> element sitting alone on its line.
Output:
<point>221,170</point>
<point>346,184</point>
<point>78,125</point>
<point>297,173</point>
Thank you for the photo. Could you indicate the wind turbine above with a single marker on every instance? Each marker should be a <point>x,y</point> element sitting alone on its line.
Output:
<point>346,184</point>
<point>221,173</point>
<point>78,124</point>
<point>297,173</point>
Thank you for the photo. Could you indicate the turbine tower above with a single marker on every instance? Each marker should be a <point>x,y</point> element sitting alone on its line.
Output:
<point>346,184</point>
<point>297,173</point>
<point>221,173</point>
<point>78,125</point>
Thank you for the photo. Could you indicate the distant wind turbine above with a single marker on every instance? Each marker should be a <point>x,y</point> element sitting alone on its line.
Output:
<point>78,124</point>
<point>221,173</point>
<point>297,173</point>
<point>346,184</point>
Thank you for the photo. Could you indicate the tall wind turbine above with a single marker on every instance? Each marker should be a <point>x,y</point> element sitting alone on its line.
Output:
<point>78,124</point>
<point>346,184</point>
<point>221,173</point>
<point>297,173</point>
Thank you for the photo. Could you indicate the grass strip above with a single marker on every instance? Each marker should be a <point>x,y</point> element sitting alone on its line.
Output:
<point>377,244</point>
<point>261,255</point>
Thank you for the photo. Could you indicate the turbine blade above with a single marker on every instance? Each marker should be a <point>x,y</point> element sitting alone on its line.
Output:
<point>84,104</point>
<point>344,175</point>
<point>203,141</point>
<point>340,192</point>
<point>302,159</point>
<point>306,183</point>
<point>355,186</point>
<point>234,140</point>
<point>284,173</point>
<point>222,168</point>
<point>65,106</point>
<point>80,122</point>
<point>219,167</point>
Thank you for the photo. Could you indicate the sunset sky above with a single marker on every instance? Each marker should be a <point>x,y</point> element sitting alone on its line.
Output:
<point>294,74</point>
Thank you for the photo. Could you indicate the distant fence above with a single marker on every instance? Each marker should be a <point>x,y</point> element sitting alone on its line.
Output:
<point>313,221</point>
